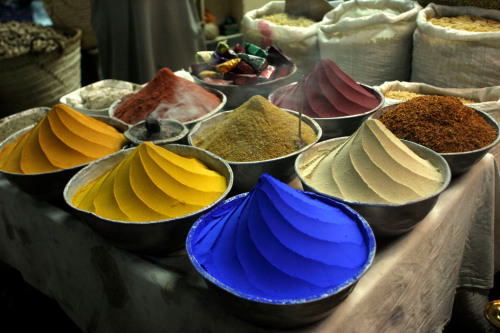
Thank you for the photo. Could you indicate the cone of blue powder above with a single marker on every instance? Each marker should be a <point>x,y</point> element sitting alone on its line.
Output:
<point>279,245</point>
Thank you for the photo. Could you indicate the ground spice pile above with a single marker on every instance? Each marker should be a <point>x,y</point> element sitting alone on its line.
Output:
<point>257,130</point>
<point>168,96</point>
<point>441,123</point>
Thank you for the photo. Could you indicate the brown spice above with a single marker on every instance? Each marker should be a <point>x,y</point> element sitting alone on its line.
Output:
<point>169,97</point>
<point>441,123</point>
<point>255,131</point>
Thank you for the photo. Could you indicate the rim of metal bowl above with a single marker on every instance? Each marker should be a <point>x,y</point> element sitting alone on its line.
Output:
<point>489,119</point>
<point>445,171</point>
<point>220,94</point>
<point>314,125</point>
<point>184,132</point>
<point>236,86</point>
<point>374,91</point>
<point>125,153</point>
<point>120,125</point>
<point>363,225</point>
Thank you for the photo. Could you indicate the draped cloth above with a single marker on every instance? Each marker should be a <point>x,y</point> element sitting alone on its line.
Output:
<point>136,38</point>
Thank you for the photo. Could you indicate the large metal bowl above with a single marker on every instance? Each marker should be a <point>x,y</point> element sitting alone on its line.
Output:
<point>237,95</point>
<point>281,313</point>
<point>335,127</point>
<point>48,186</point>
<point>108,83</point>
<point>138,133</point>
<point>386,220</point>
<point>459,162</point>
<point>20,120</point>
<point>151,238</point>
<point>188,124</point>
<point>247,174</point>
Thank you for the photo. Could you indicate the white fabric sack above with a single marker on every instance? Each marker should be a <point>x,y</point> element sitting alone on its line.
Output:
<point>299,43</point>
<point>488,98</point>
<point>446,57</point>
<point>371,41</point>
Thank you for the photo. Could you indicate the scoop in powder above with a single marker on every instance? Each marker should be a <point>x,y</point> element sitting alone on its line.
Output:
<point>279,243</point>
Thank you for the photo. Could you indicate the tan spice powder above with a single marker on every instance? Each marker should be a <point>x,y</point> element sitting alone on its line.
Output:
<point>256,131</point>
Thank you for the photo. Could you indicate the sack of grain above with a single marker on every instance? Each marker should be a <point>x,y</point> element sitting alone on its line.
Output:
<point>296,37</point>
<point>489,4</point>
<point>37,71</point>
<point>371,41</point>
<point>452,57</point>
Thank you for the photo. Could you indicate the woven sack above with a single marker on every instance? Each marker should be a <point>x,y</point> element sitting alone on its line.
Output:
<point>74,14</point>
<point>446,57</point>
<point>371,41</point>
<point>299,43</point>
<point>34,80</point>
<point>489,4</point>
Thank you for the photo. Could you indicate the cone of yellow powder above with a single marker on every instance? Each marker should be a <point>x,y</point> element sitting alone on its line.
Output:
<point>64,138</point>
<point>145,199</point>
<point>41,158</point>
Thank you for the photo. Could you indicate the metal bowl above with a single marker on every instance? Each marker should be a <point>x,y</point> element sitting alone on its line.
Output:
<point>150,238</point>
<point>188,124</point>
<point>48,186</point>
<point>99,84</point>
<point>338,126</point>
<point>459,162</point>
<point>281,313</point>
<point>386,220</point>
<point>137,133</point>
<point>18,121</point>
<point>247,174</point>
<point>237,95</point>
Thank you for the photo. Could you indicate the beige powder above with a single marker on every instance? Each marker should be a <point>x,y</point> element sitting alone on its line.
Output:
<point>373,166</point>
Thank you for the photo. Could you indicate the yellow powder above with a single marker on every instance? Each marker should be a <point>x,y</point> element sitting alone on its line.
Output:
<point>64,138</point>
<point>151,184</point>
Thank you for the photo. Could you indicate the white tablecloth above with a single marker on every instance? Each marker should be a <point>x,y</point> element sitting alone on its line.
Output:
<point>410,286</point>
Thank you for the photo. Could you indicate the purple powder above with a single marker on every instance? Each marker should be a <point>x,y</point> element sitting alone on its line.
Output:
<point>282,244</point>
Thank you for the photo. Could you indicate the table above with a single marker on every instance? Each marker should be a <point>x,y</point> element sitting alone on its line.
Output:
<point>410,286</point>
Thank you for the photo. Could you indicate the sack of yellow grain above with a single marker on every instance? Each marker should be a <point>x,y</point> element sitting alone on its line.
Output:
<point>457,47</point>
<point>296,36</point>
<point>371,41</point>
<point>489,4</point>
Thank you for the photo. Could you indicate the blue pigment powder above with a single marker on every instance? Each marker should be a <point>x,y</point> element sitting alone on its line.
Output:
<point>279,243</point>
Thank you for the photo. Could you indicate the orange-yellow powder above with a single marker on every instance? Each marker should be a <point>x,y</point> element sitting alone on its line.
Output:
<point>64,138</point>
<point>150,184</point>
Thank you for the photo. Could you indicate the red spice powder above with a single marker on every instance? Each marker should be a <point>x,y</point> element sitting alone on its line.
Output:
<point>169,96</point>
<point>441,123</point>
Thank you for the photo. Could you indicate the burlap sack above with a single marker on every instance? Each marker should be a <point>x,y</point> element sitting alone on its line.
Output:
<point>446,57</point>
<point>299,43</point>
<point>371,41</point>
